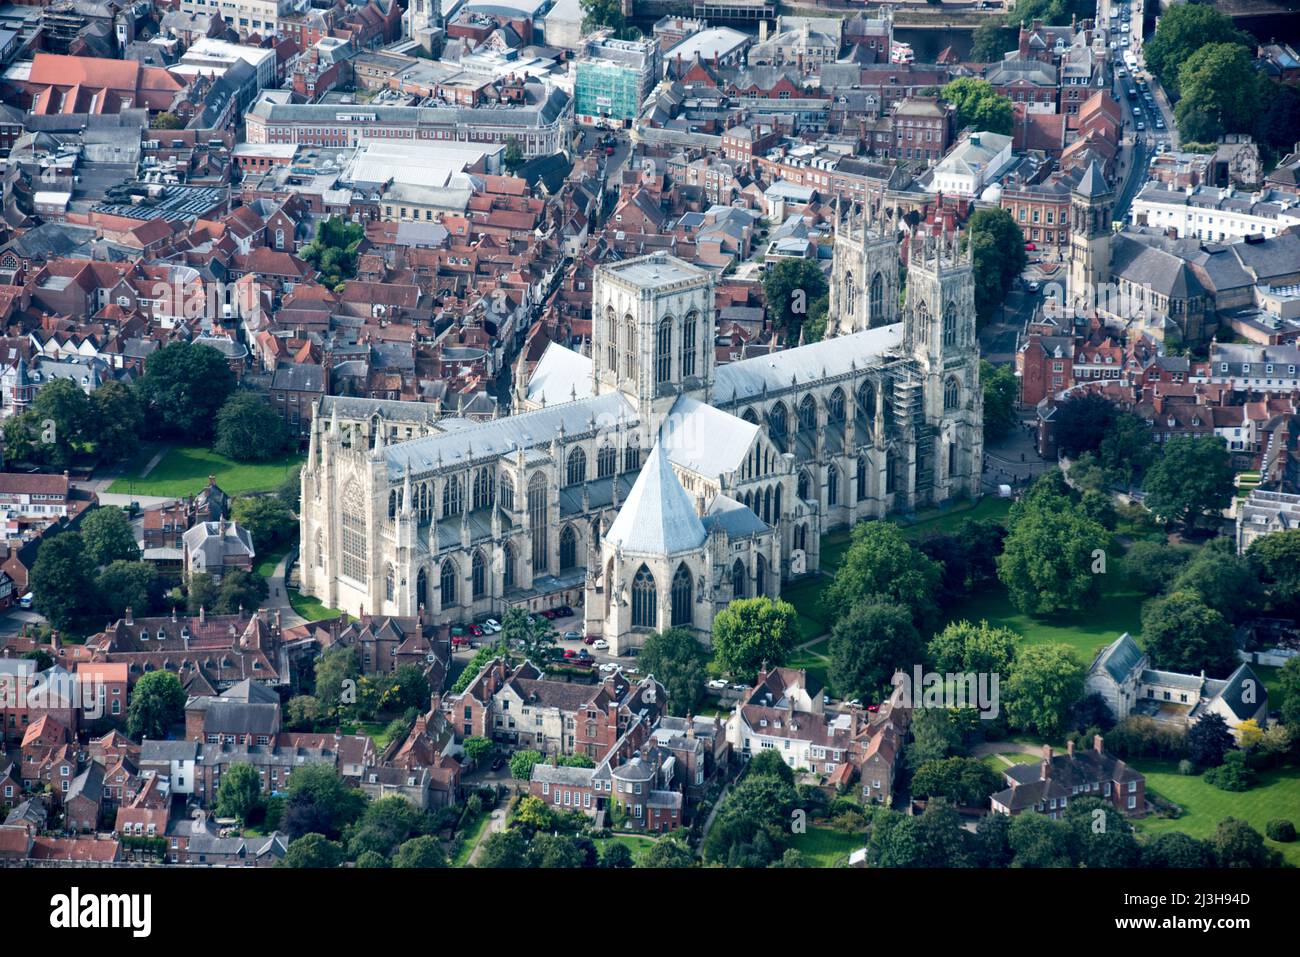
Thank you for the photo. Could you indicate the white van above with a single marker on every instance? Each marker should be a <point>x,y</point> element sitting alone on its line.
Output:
<point>26,600</point>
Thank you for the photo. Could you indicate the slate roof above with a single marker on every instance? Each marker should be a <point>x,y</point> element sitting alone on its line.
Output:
<point>747,379</point>
<point>658,517</point>
<point>1119,658</point>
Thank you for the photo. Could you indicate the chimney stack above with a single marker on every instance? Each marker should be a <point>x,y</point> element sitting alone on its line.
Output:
<point>1046,766</point>
<point>1096,744</point>
<point>130,620</point>
<point>1069,748</point>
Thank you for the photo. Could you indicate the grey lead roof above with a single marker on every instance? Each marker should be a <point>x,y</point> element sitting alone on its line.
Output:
<point>738,381</point>
<point>658,517</point>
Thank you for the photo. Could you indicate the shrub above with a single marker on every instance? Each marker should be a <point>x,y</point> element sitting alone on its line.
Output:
<point>1234,774</point>
<point>1186,767</point>
<point>1280,830</point>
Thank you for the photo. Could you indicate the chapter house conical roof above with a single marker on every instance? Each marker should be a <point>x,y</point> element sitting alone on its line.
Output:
<point>658,517</point>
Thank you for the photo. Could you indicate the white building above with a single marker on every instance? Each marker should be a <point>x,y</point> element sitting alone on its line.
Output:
<point>1214,213</point>
<point>970,165</point>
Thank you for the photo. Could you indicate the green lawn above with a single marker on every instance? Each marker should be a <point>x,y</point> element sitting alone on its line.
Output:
<point>469,839</point>
<point>825,846</point>
<point>1086,633</point>
<point>1276,795</point>
<point>634,843</point>
<point>310,607</point>
<point>185,470</point>
<point>266,563</point>
<point>1015,757</point>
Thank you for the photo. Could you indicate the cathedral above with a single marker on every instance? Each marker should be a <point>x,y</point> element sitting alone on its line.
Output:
<point>642,483</point>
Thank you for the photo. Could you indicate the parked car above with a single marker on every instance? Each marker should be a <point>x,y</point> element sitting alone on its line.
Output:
<point>584,654</point>
<point>476,631</point>
<point>717,684</point>
<point>564,611</point>
<point>570,653</point>
<point>739,687</point>
<point>492,626</point>
<point>608,666</point>
<point>600,644</point>
<point>27,600</point>
<point>582,662</point>
<point>571,636</point>
<point>590,640</point>
<point>498,762</point>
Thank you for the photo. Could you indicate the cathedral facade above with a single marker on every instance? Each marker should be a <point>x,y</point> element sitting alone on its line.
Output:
<point>643,482</point>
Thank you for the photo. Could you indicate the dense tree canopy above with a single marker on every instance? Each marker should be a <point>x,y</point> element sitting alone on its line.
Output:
<point>1183,29</point>
<point>1220,92</point>
<point>1181,633</point>
<point>1194,477</point>
<point>1045,684</point>
<point>868,645</point>
<point>791,286</point>
<point>752,631</point>
<point>679,662</point>
<point>997,254</point>
<point>1001,395</point>
<point>157,703</point>
<point>183,387</point>
<point>249,430</point>
<point>62,579</point>
<point>107,536</point>
<point>979,105</point>
<point>1050,561</point>
<point>883,566</point>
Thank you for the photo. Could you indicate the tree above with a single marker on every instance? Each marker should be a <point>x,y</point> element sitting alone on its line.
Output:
<point>669,851</point>
<point>504,849</point>
<point>423,851</point>
<point>934,736</point>
<point>1082,422</point>
<point>290,490</point>
<point>1151,566</point>
<point>752,821</point>
<point>54,428</point>
<point>337,671</point>
<point>1183,30</point>
<point>991,39</point>
<point>752,631</point>
<point>313,850</point>
<point>554,851</point>
<point>133,585</point>
<point>267,519</point>
<point>1175,849</point>
<point>1220,86</point>
<point>106,536</point>
<point>868,646</point>
<point>602,13</point>
<point>1049,561</point>
<point>249,430</point>
<point>616,855</point>
<point>790,287</point>
<point>1001,393</point>
<point>1208,740</point>
<point>1045,684</point>
<point>1276,560</point>
<point>384,824</point>
<point>240,791</point>
<point>333,252</point>
<point>166,120</point>
<point>372,859</point>
<point>1126,450</point>
<point>1238,845</point>
<point>964,781</point>
<point>1101,835</point>
<point>679,662</point>
<point>184,386</point>
<point>1234,774</point>
<point>1193,477</point>
<point>119,420</point>
<point>1223,581</point>
<point>1279,118</point>
<point>883,566</point>
<point>303,710</point>
<point>1038,841</point>
<point>1181,633</point>
<point>513,157</point>
<point>767,763</point>
<point>814,326</point>
<point>478,748</point>
<point>979,105</point>
<point>981,649</point>
<point>62,579</point>
<point>521,763</point>
<point>998,256</point>
<point>239,589</point>
<point>1288,678</point>
<point>157,703</point>
<point>319,795</point>
<point>520,630</point>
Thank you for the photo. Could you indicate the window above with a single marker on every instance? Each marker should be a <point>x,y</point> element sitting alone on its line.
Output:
<point>537,519</point>
<point>390,583</point>
<point>483,487</point>
<point>577,467</point>
<point>478,575</point>
<point>832,486</point>
<point>951,393</point>
<point>664,352</point>
<point>353,528</point>
<point>950,325</point>
<point>877,299</point>
<point>447,583</point>
<point>689,333</point>
<point>683,606</point>
<point>568,548</point>
<point>645,610</point>
<point>776,426</point>
<point>738,577</point>
<point>453,497</point>
<point>606,461</point>
<point>835,406</point>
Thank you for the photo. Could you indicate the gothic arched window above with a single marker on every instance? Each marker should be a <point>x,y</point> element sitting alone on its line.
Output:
<point>832,486</point>
<point>629,346</point>
<point>390,582</point>
<point>447,583</point>
<point>320,548</point>
<point>683,605</point>
<point>507,493</point>
<point>689,333</point>
<point>950,325</point>
<point>483,488</point>
<point>577,468</point>
<point>478,575</point>
<point>606,461</point>
<point>664,351</point>
<point>877,298</point>
<point>353,528</point>
<point>568,548</point>
<point>848,293</point>
<point>777,426</point>
<point>951,393</point>
<point>537,518</point>
<point>808,415</point>
<point>760,576</point>
<point>835,406</point>
<point>453,497</point>
<point>507,566</point>
<point>632,457</point>
<point>801,485</point>
<point>738,579</point>
<point>862,477</point>
<point>422,588</point>
<point>750,416</point>
<point>645,608</point>
<point>611,339</point>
